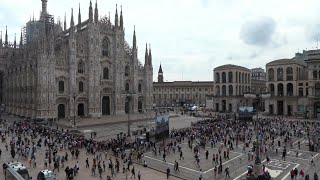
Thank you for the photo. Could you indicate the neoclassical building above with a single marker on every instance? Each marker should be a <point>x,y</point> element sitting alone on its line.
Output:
<point>86,69</point>
<point>287,83</point>
<point>230,83</point>
<point>179,93</point>
<point>295,85</point>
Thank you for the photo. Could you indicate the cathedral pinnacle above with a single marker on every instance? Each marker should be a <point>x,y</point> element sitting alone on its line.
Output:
<point>146,56</point>
<point>150,55</point>
<point>6,38</point>
<point>65,22</point>
<point>15,42</point>
<point>96,13</point>
<point>71,22</point>
<point>20,45</point>
<point>90,13</point>
<point>109,19</point>
<point>116,17</point>
<point>1,39</point>
<point>121,18</point>
<point>134,43</point>
<point>79,16</point>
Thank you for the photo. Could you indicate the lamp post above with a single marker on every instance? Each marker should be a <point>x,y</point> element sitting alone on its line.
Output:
<point>74,109</point>
<point>128,99</point>
<point>258,99</point>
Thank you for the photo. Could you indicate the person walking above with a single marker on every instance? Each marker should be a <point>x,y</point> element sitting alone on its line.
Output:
<point>87,163</point>
<point>100,171</point>
<point>56,166</point>
<point>301,173</point>
<point>177,166</point>
<point>207,154</point>
<point>181,155</point>
<point>200,175</point>
<point>139,175</point>
<point>227,172</point>
<point>133,173</point>
<point>168,172</point>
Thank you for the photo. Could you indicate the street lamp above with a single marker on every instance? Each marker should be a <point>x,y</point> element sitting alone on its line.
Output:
<point>128,99</point>
<point>258,99</point>
<point>74,109</point>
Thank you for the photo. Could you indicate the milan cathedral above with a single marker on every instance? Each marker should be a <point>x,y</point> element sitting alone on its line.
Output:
<point>86,70</point>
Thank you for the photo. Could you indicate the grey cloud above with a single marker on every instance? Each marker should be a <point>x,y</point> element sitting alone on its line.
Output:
<point>313,32</point>
<point>258,32</point>
<point>253,55</point>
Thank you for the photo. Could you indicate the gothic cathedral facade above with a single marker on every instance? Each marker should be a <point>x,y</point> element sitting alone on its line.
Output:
<point>86,70</point>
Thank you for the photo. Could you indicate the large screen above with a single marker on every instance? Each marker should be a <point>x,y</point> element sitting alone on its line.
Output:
<point>245,112</point>
<point>162,127</point>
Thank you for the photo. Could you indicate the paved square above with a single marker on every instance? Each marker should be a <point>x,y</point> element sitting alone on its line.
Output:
<point>189,162</point>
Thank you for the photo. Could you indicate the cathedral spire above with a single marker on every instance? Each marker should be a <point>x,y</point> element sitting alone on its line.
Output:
<point>146,56</point>
<point>20,45</point>
<point>71,21</point>
<point>116,17</point>
<point>15,42</point>
<point>44,8</point>
<point>79,16</point>
<point>150,55</point>
<point>134,43</point>
<point>109,19</point>
<point>6,38</point>
<point>96,13</point>
<point>121,19</point>
<point>90,13</point>
<point>65,22</point>
<point>1,39</point>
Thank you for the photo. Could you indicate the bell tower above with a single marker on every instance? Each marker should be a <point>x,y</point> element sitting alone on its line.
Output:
<point>160,74</point>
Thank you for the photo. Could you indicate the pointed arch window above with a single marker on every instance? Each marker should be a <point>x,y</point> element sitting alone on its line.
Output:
<point>61,86</point>
<point>127,87</point>
<point>105,47</point>
<point>80,86</point>
<point>127,71</point>
<point>105,73</point>
<point>81,67</point>
<point>139,88</point>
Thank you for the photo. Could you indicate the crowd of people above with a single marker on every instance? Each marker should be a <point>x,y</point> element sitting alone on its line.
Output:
<point>226,133</point>
<point>23,138</point>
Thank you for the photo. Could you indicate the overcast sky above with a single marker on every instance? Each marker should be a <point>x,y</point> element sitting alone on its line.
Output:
<point>191,37</point>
